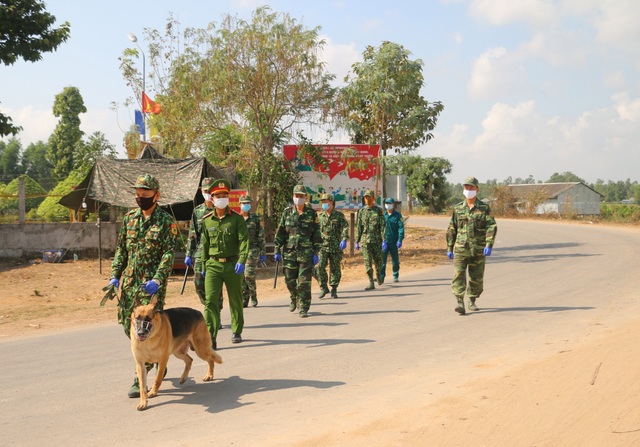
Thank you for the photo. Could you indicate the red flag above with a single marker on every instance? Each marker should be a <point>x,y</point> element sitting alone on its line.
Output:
<point>149,106</point>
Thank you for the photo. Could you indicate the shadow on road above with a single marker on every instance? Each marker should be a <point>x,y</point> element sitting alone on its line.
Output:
<point>530,309</point>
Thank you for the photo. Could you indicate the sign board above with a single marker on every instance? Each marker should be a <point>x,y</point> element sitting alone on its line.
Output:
<point>351,169</point>
<point>234,198</point>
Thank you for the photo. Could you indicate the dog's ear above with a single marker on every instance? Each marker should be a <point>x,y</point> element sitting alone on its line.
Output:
<point>154,300</point>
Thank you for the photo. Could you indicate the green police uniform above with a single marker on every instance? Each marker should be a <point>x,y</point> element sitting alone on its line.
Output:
<point>225,243</point>
<point>194,246</point>
<point>470,231</point>
<point>144,252</point>
<point>370,232</point>
<point>297,240</point>
<point>334,228</point>
<point>256,249</point>
<point>395,234</point>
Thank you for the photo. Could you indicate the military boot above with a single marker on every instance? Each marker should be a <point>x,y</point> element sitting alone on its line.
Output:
<point>292,306</point>
<point>324,292</point>
<point>371,285</point>
<point>134,391</point>
<point>334,292</point>
<point>460,307</point>
<point>472,304</point>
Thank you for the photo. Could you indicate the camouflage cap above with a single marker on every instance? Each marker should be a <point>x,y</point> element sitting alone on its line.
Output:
<point>369,192</point>
<point>207,183</point>
<point>220,185</point>
<point>390,200</point>
<point>147,181</point>
<point>299,189</point>
<point>245,199</point>
<point>471,181</point>
<point>328,197</point>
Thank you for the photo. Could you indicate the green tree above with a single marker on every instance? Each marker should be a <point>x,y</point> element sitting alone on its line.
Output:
<point>10,167</point>
<point>26,31</point>
<point>565,177</point>
<point>35,164</point>
<point>382,103</point>
<point>34,193</point>
<point>97,147</point>
<point>50,210</point>
<point>66,139</point>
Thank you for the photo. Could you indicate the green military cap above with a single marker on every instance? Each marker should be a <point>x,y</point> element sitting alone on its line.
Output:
<point>245,199</point>
<point>369,192</point>
<point>390,200</point>
<point>471,181</point>
<point>299,189</point>
<point>207,183</point>
<point>220,185</point>
<point>147,181</point>
<point>327,197</point>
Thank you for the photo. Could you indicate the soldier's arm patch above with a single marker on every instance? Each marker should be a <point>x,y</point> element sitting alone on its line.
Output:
<point>174,229</point>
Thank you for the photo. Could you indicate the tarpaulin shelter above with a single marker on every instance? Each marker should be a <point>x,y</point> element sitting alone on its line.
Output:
<point>111,181</point>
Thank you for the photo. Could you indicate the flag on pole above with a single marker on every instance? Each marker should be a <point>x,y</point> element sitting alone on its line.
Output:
<point>149,106</point>
<point>140,122</point>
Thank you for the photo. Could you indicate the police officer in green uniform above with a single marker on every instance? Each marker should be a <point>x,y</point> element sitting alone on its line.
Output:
<point>193,256</point>
<point>297,243</point>
<point>334,230</point>
<point>144,255</point>
<point>395,236</point>
<point>370,236</point>
<point>470,237</point>
<point>225,247</point>
<point>256,252</point>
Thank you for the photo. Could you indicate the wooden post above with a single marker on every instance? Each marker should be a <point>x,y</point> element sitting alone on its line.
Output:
<point>21,201</point>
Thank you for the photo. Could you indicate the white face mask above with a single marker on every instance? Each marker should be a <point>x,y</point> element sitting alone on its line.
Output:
<point>221,202</point>
<point>206,196</point>
<point>469,193</point>
<point>388,206</point>
<point>299,201</point>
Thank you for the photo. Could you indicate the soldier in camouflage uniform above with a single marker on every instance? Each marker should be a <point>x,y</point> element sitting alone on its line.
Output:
<point>371,235</point>
<point>225,247</point>
<point>194,246</point>
<point>334,229</point>
<point>297,243</point>
<point>256,252</point>
<point>470,237</point>
<point>144,255</point>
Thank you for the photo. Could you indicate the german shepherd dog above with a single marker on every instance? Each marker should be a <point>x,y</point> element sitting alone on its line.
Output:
<point>156,335</point>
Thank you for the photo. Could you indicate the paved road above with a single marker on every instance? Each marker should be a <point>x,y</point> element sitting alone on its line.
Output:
<point>356,359</point>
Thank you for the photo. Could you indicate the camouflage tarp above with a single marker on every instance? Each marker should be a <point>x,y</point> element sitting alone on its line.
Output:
<point>110,181</point>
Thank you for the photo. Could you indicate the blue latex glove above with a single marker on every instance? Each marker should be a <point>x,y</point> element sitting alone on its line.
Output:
<point>114,282</point>
<point>450,254</point>
<point>263,258</point>
<point>239,268</point>
<point>357,245</point>
<point>188,261</point>
<point>385,247</point>
<point>343,245</point>
<point>277,257</point>
<point>151,287</point>
<point>203,273</point>
<point>487,251</point>
<point>315,259</point>
<point>399,244</point>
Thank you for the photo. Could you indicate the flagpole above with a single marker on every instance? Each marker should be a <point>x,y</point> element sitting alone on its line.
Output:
<point>134,39</point>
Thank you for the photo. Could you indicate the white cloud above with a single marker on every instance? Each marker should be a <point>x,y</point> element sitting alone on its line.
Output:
<point>559,47</point>
<point>502,12</point>
<point>628,109</point>
<point>496,73</point>
<point>617,24</point>
<point>339,58</point>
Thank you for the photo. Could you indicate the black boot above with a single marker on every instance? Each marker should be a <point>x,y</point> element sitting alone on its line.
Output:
<point>334,292</point>
<point>323,292</point>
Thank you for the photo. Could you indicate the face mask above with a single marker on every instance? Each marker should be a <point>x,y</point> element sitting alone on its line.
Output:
<point>299,201</point>
<point>388,206</point>
<point>206,196</point>
<point>246,207</point>
<point>221,202</point>
<point>469,193</point>
<point>145,202</point>
<point>325,206</point>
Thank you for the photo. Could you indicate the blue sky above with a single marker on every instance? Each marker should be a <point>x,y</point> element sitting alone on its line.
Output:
<point>530,87</point>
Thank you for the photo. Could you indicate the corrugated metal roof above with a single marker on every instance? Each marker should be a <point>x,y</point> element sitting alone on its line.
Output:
<point>551,190</point>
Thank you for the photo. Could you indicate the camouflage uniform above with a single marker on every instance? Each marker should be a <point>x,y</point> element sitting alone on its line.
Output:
<point>194,247</point>
<point>370,232</point>
<point>256,249</point>
<point>395,234</point>
<point>334,228</point>
<point>225,243</point>
<point>470,231</point>
<point>144,252</point>
<point>298,239</point>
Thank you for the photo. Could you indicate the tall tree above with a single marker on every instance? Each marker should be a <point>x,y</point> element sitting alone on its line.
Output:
<point>66,139</point>
<point>35,164</point>
<point>26,31</point>
<point>10,167</point>
<point>382,103</point>
<point>88,153</point>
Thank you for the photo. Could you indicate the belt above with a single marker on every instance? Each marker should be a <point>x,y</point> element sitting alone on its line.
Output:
<point>229,259</point>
